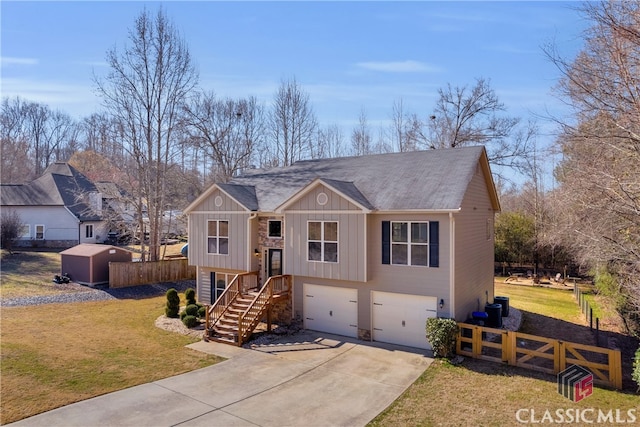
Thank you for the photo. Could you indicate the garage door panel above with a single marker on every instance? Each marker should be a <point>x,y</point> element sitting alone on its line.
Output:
<point>331,309</point>
<point>401,319</point>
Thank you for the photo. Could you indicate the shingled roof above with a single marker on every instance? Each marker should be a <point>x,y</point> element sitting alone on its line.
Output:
<point>417,180</point>
<point>60,185</point>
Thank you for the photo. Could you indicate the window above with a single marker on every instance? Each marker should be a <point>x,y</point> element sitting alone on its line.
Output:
<point>219,282</point>
<point>25,231</point>
<point>275,229</point>
<point>410,243</point>
<point>218,237</point>
<point>322,240</point>
<point>88,231</point>
<point>39,232</point>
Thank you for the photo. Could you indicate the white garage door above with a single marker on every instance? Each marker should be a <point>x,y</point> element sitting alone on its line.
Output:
<point>331,309</point>
<point>401,319</point>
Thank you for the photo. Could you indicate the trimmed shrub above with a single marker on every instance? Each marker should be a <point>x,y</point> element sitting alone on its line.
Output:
<point>173,304</point>
<point>441,334</point>
<point>190,321</point>
<point>191,310</point>
<point>202,312</point>
<point>190,296</point>
<point>636,368</point>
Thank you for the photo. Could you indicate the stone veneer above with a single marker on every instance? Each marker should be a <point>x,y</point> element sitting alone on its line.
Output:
<point>364,334</point>
<point>266,242</point>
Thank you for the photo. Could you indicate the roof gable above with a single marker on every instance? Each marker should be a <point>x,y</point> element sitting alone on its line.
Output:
<point>346,190</point>
<point>243,195</point>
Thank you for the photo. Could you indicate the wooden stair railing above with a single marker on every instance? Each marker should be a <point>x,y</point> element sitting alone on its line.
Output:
<point>239,286</point>
<point>275,288</point>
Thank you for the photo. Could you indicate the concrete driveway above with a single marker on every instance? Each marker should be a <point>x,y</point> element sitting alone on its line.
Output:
<point>307,379</point>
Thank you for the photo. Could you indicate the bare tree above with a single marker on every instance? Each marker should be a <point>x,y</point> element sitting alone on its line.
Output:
<point>10,228</point>
<point>361,140</point>
<point>34,136</point>
<point>599,174</point>
<point>228,130</point>
<point>144,90</point>
<point>329,143</point>
<point>292,125</point>
<point>472,116</point>
<point>14,143</point>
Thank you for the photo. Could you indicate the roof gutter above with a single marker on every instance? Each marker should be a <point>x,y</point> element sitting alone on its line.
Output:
<point>431,211</point>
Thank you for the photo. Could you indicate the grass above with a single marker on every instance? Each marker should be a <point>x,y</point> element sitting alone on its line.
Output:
<point>28,273</point>
<point>481,393</point>
<point>56,354</point>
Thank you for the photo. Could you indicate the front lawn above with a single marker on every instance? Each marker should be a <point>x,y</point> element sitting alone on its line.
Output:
<point>56,354</point>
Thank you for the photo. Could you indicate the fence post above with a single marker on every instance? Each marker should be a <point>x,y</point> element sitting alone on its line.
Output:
<point>590,318</point>
<point>477,341</point>
<point>559,357</point>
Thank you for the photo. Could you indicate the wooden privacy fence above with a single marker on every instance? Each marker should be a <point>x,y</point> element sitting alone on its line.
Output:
<point>124,274</point>
<point>539,353</point>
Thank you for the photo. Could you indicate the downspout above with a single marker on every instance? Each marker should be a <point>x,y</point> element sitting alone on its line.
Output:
<point>452,266</point>
<point>251,217</point>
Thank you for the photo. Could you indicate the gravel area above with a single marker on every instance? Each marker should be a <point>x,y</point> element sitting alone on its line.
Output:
<point>84,294</point>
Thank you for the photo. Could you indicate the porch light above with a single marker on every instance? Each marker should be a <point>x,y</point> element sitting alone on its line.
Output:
<point>441,302</point>
<point>256,253</point>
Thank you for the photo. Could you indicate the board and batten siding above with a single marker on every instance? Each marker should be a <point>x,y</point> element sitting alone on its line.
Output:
<point>335,202</point>
<point>240,236</point>
<point>351,237</point>
<point>474,247</point>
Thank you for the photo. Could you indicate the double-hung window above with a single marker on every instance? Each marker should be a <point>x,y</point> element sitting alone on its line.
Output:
<point>410,243</point>
<point>322,241</point>
<point>39,232</point>
<point>88,231</point>
<point>218,237</point>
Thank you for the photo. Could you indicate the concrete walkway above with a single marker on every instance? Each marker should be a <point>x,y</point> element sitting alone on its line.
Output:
<point>309,379</point>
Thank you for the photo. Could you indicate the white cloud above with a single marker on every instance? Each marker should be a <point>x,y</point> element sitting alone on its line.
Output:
<point>8,60</point>
<point>408,66</point>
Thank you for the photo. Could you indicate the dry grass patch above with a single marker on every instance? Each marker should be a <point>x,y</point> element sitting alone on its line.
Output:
<point>479,393</point>
<point>29,273</point>
<point>57,354</point>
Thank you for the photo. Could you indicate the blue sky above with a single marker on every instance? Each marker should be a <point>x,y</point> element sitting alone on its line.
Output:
<point>345,55</point>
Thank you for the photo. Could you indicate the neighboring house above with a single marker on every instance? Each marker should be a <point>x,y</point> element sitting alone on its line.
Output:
<point>374,244</point>
<point>62,208</point>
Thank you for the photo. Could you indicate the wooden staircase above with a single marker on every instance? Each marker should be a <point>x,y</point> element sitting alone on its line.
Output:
<point>236,313</point>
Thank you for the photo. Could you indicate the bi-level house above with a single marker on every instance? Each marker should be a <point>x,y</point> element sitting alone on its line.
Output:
<point>366,247</point>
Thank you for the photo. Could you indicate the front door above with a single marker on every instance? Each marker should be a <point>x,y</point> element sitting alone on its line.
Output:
<point>274,263</point>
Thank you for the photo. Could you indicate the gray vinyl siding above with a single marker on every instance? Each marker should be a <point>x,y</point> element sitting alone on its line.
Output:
<point>351,237</point>
<point>474,252</point>
<point>414,280</point>
<point>203,282</point>
<point>239,239</point>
